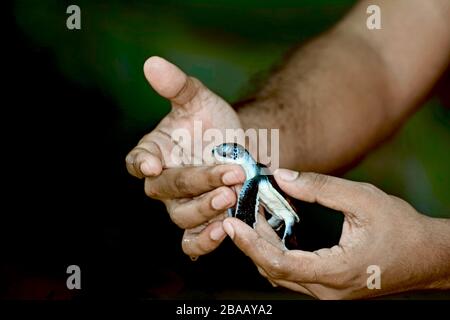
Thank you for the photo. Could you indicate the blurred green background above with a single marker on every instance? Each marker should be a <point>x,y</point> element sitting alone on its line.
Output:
<point>230,45</point>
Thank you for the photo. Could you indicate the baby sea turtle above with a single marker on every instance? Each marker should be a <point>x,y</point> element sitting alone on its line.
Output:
<point>259,188</point>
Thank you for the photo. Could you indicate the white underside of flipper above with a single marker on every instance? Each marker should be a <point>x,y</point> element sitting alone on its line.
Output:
<point>277,206</point>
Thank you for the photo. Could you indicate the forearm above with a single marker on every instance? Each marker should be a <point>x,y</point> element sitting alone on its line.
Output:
<point>437,254</point>
<point>326,102</point>
<point>338,96</point>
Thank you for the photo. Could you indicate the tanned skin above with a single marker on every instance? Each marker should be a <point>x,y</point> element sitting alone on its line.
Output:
<point>334,99</point>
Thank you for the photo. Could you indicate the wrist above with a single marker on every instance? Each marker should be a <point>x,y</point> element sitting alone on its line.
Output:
<point>262,113</point>
<point>247,111</point>
<point>437,240</point>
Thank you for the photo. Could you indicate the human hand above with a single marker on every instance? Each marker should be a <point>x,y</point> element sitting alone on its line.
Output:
<point>194,196</point>
<point>411,250</point>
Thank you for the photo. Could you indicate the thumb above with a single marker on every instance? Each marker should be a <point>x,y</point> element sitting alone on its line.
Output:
<point>339,194</point>
<point>294,265</point>
<point>171,82</point>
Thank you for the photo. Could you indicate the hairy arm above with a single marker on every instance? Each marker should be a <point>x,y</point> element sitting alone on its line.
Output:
<point>338,96</point>
<point>411,251</point>
<point>333,100</point>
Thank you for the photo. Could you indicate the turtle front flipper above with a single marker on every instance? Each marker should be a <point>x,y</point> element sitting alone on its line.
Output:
<point>248,202</point>
<point>276,204</point>
<point>275,222</point>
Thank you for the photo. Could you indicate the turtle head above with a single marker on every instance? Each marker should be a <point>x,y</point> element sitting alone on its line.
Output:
<point>232,153</point>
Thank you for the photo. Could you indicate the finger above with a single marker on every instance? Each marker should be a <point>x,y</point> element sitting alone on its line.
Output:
<point>192,181</point>
<point>264,274</point>
<point>287,284</point>
<point>191,213</point>
<point>197,243</point>
<point>267,233</point>
<point>144,160</point>
<point>279,264</point>
<point>171,82</point>
<point>344,195</point>
<point>294,286</point>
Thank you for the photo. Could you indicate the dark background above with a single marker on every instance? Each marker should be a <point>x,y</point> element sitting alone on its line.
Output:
<point>75,102</point>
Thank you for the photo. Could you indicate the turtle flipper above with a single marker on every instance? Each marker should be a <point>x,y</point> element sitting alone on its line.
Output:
<point>289,223</point>
<point>248,202</point>
<point>275,222</point>
<point>276,204</point>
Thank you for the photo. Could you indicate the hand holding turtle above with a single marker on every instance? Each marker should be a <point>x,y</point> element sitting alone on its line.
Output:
<point>378,229</point>
<point>193,195</point>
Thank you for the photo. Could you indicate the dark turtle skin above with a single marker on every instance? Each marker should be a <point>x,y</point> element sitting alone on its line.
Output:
<point>258,189</point>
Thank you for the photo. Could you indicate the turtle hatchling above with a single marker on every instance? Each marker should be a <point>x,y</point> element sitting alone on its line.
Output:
<point>259,188</point>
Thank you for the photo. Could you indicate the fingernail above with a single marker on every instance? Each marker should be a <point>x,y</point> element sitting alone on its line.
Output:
<point>145,169</point>
<point>286,174</point>
<point>217,233</point>
<point>220,202</point>
<point>129,159</point>
<point>228,227</point>
<point>231,177</point>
